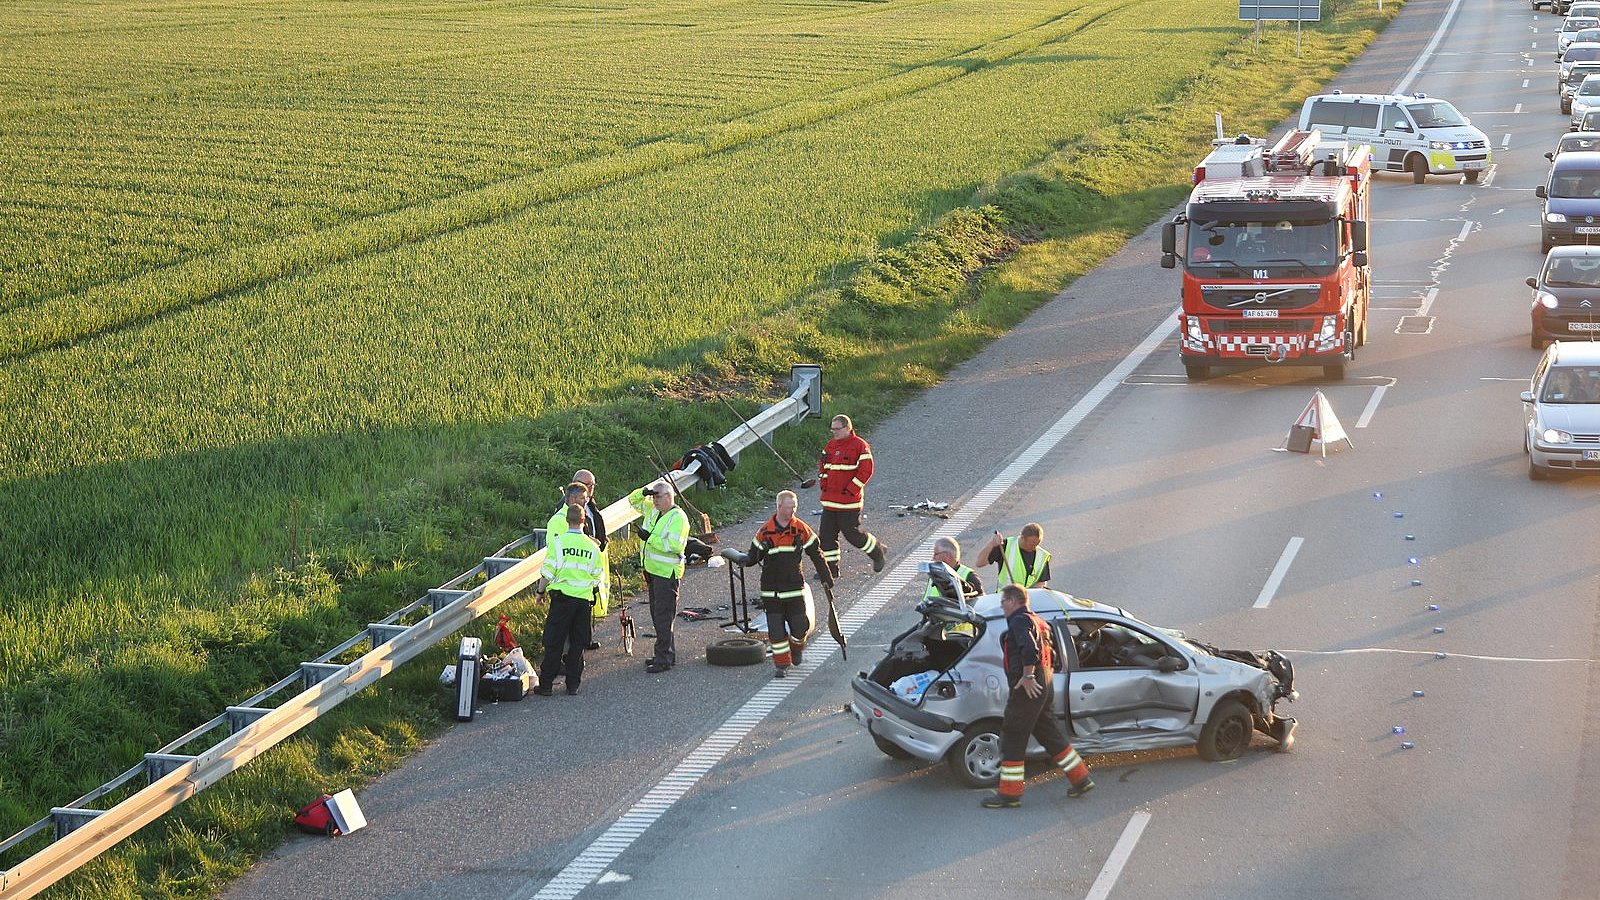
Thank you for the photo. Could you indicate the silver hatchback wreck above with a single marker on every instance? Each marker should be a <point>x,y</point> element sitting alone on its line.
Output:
<point>940,691</point>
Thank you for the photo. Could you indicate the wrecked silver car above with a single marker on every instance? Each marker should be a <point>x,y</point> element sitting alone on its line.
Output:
<point>940,691</point>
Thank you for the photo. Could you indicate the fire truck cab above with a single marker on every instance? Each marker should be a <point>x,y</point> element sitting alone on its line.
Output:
<point>1274,253</point>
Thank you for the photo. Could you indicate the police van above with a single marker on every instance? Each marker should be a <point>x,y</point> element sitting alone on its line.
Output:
<point>1415,133</point>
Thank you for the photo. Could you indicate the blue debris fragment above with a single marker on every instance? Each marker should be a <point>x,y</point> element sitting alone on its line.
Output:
<point>1406,745</point>
<point>1399,729</point>
<point>1438,629</point>
<point>1417,694</point>
<point>1433,607</point>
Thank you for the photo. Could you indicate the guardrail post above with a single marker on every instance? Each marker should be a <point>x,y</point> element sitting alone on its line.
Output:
<point>443,597</point>
<point>810,377</point>
<point>68,819</point>
<point>313,672</point>
<point>242,717</point>
<point>379,633</point>
<point>158,765</point>
<point>494,565</point>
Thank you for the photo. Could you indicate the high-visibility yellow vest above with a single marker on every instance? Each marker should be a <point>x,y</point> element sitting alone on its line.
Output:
<point>963,572</point>
<point>1012,570</point>
<point>572,561</point>
<point>602,603</point>
<point>662,552</point>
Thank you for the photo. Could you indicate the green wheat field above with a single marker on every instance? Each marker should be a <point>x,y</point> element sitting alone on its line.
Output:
<point>306,305</point>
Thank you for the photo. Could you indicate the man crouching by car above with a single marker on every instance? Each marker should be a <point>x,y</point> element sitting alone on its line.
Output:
<point>1029,666</point>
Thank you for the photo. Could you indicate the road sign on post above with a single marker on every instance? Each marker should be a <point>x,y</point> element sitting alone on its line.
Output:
<point>1295,11</point>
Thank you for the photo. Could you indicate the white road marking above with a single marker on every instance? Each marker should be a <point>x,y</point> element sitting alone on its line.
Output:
<point>1278,571</point>
<point>1101,889</point>
<point>1505,142</point>
<point>1527,659</point>
<point>1514,110</point>
<point>1427,52</point>
<point>604,850</point>
<point>1372,405</point>
<point>1427,301</point>
<point>1524,82</point>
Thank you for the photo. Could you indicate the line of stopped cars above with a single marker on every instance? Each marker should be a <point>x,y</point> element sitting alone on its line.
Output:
<point>940,691</point>
<point>1561,408</point>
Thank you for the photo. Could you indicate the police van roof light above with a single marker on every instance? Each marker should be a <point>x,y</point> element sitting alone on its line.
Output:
<point>1420,95</point>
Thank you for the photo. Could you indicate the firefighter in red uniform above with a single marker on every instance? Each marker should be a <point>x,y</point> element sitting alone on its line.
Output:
<point>846,467</point>
<point>1029,665</point>
<point>784,594</point>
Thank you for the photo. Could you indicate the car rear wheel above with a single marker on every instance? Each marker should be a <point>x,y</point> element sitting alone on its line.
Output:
<point>1227,733</point>
<point>890,748</point>
<point>975,759</point>
<point>736,651</point>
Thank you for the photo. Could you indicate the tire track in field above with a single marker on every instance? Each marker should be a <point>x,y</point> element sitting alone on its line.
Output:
<point>68,319</point>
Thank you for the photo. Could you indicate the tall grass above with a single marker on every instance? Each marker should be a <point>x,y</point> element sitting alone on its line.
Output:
<point>367,281</point>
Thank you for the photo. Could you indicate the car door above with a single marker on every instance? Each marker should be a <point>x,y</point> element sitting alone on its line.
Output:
<point>1122,691</point>
<point>1398,135</point>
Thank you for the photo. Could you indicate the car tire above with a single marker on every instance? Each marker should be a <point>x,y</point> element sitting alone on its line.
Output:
<point>1536,472</point>
<point>890,748</point>
<point>1536,342</point>
<point>1334,372</point>
<point>1196,373</point>
<point>1227,732</point>
<point>1418,167</point>
<point>975,759</point>
<point>736,651</point>
<point>1473,176</point>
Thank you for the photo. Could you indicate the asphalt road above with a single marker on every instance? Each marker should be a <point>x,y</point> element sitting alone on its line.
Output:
<point>1170,499</point>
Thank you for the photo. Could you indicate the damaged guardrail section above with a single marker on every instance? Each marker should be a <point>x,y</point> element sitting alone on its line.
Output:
<point>82,832</point>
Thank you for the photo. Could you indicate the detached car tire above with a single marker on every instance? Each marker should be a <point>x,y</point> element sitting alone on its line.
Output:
<point>1227,733</point>
<point>736,651</point>
<point>975,759</point>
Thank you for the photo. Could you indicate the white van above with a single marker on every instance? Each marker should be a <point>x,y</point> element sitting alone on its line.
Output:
<point>1415,133</point>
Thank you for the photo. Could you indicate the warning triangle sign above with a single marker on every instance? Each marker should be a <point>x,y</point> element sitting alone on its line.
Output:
<point>1316,423</point>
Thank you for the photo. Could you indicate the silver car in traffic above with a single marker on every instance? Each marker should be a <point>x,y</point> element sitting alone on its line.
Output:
<point>940,690</point>
<point>1561,410</point>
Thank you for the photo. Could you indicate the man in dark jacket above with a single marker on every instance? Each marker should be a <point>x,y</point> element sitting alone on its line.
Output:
<point>1029,664</point>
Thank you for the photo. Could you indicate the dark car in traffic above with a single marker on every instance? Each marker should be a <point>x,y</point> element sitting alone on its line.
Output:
<point>1566,296</point>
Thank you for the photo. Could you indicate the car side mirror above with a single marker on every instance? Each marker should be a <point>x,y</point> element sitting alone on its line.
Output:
<point>1359,259</point>
<point>1402,126</point>
<point>1531,281</point>
<point>1358,235</point>
<point>1169,238</point>
<point>1550,155</point>
<point>1541,193</point>
<point>1169,664</point>
<point>1527,396</point>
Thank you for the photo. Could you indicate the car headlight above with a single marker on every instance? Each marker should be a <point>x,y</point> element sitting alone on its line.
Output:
<point>1193,327</point>
<point>1555,218</point>
<point>1438,145</point>
<point>1330,324</point>
<point>1555,436</point>
<point>1545,299</point>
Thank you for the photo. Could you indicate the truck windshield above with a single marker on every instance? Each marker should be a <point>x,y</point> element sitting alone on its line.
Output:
<point>1229,249</point>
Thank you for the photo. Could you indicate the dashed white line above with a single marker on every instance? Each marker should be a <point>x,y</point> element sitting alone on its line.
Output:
<point>604,850</point>
<point>1101,889</point>
<point>1505,142</point>
<point>1278,571</point>
<point>1372,405</point>
<point>1524,83</point>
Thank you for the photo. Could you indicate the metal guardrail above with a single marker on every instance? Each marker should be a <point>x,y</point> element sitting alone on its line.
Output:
<point>82,832</point>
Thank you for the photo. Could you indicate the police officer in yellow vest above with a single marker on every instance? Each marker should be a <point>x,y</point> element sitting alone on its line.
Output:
<point>572,563</point>
<point>581,493</point>
<point>664,532</point>
<point>1021,559</point>
<point>948,551</point>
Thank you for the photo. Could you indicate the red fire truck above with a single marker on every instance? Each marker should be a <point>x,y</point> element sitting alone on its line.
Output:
<point>1274,255</point>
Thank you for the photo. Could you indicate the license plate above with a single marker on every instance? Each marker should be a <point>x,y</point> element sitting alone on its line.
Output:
<point>1586,229</point>
<point>1583,326</point>
<point>1470,164</point>
<point>1591,454</point>
<point>1260,314</point>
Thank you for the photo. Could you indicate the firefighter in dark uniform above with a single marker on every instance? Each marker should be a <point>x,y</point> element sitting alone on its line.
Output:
<point>1029,666</point>
<point>845,469</point>
<point>784,594</point>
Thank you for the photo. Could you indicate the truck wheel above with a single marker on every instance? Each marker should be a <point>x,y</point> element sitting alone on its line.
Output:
<point>1196,373</point>
<point>1418,167</point>
<point>1473,176</point>
<point>1334,372</point>
<point>975,759</point>
<point>736,651</point>
<point>1227,733</point>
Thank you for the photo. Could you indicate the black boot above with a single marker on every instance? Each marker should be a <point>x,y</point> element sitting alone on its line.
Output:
<point>877,555</point>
